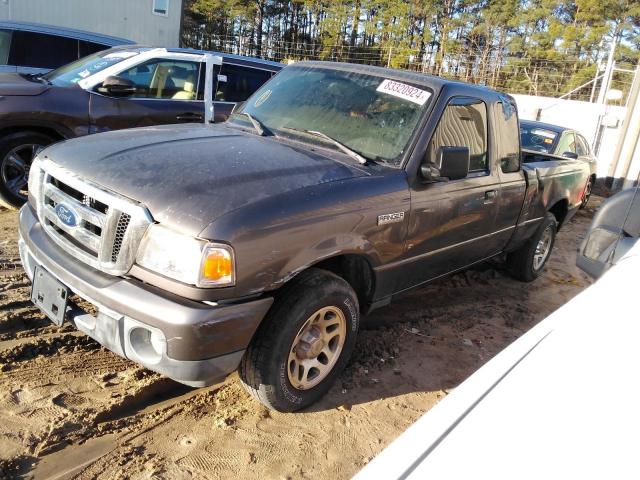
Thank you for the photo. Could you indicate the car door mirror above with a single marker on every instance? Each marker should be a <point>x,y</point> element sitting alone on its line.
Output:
<point>453,165</point>
<point>117,87</point>
<point>571,155</point>
<point>613,232</point>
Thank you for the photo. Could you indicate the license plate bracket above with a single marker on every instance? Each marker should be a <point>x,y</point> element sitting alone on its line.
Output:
<point>49,295</point>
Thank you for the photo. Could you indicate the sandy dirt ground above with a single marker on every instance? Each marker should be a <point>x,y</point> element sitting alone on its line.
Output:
<point>71,409</point>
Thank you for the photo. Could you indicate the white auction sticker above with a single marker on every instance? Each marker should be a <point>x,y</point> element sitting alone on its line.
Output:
<point>402,90</point>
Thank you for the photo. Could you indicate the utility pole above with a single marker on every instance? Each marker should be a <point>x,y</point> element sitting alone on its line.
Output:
<point>608,73</point>
<point>602,94</point>
<point>627,151</point>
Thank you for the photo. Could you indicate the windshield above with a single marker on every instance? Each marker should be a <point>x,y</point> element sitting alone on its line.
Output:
<point>73,72</point>
<point>369,115</point>
<point>537,139</point>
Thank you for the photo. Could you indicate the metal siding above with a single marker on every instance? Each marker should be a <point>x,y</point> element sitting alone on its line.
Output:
<point>131,19</point>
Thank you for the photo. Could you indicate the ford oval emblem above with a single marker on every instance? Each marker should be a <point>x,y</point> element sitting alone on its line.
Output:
<point>66,215</point>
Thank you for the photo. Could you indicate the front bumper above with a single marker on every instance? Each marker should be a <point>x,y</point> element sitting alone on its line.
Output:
<point>195,343</point>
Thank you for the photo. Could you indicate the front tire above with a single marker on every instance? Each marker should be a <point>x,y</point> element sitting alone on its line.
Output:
<point>17,151</point>
<point>526,263</point>
<point>304,342</point>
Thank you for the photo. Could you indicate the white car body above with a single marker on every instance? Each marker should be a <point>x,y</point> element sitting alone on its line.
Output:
<point>562,401</point>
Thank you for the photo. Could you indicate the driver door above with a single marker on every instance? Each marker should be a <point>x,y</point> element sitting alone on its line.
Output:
<point>452,223</point>
<point>166,93</point>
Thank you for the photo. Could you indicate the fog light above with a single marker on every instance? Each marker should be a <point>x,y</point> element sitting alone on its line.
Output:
<point>148,345</point>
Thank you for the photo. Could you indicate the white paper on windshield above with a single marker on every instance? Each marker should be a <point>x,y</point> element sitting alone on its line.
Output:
<point>121,55</point>
<point>404,91</point>
<point>544,133</point>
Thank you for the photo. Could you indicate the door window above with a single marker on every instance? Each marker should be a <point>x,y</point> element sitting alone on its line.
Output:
<point>5,43</point>
<point>39,50</point>
<point>582,147</point>
<point>463,124</point>
<point>566,144</point>
<point>240,82</point>
<point>164,79</point>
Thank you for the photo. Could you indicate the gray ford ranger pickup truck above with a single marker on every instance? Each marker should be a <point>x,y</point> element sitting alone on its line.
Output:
<point>258,243</point>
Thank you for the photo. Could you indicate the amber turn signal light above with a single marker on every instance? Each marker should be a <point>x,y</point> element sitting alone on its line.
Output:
<point>217,266</point>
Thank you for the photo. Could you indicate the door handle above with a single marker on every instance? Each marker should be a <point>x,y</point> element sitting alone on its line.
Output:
<point>490,196</point>
<point>189,117</point>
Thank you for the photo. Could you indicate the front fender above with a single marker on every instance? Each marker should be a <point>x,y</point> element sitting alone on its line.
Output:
<point>276,238</point>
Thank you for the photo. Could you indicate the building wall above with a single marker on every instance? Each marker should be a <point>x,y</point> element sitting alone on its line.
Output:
<point>131,19</point>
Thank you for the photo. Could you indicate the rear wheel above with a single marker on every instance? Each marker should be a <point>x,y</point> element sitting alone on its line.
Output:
<point>528,261</point>
<point>17,151</point>
<point>304,342</point>
<point>587,192</point>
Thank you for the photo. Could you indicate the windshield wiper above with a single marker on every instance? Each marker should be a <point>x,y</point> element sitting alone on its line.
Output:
<point>341,146</point>
<point>257,124</point>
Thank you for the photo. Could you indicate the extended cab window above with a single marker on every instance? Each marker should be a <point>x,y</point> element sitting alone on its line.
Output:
<point>507,142</point>
<point>463,124</point>
<point>164,79</point>
<point>236,83</point>
<point>40,50</point>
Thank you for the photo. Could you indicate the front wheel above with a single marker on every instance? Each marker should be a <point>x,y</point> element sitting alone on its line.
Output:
<point>527,262</point>
<point>304,342</point>
<point>17,151</point>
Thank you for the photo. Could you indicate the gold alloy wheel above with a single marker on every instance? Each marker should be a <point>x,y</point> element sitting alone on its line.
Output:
<point>316,348</point>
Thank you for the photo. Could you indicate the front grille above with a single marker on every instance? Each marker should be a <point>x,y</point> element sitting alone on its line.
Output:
<point>108,227</point>
<point>121,230</point>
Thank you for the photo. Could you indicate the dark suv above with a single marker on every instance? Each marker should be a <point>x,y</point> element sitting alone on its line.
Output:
<point>122,87</point>
<point>36,48</point>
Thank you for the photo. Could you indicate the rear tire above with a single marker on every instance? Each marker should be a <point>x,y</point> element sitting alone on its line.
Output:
<point>17,151</point>
<point>526,263</point>
<point>587,192</point>
<point>304,342</point>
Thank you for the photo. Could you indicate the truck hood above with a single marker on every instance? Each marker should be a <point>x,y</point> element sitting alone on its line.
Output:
<point>189,175</point>
<point>16,84</point>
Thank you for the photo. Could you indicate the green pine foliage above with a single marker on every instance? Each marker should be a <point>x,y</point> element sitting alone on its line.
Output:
<point>541,47</point>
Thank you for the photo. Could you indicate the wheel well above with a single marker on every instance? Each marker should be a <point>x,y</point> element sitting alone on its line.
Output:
<point>560,210</point>
<point>356,271</point>
<point>27,128</point>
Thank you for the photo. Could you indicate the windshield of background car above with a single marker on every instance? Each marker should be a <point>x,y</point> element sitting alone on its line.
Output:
<point>73,72</point>
<point>373,116</point>
<point>537,139</point>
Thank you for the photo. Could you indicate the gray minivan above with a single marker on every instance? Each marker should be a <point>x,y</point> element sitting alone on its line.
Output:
<point>36,48</point>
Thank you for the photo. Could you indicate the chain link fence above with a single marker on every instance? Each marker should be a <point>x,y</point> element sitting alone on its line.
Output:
<point>491,67</point>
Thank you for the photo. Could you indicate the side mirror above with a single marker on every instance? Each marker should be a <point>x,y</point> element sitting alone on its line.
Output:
<point>571,155</point>
<point>117,87</point>
<point>613,232</point>
<point>453,164</point>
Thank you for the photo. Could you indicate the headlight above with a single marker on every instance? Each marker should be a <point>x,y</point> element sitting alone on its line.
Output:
<point>187,259</point>
<point>35,181</point>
